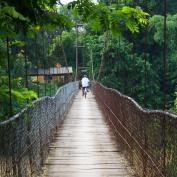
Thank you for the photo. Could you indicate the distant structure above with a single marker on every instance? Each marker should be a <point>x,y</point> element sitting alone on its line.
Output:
<point>63,74</point>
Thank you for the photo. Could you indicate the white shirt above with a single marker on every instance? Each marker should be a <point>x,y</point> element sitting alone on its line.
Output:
<point>85,82</point>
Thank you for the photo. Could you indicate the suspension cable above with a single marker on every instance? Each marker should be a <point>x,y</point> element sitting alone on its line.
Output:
<point>145,61</point>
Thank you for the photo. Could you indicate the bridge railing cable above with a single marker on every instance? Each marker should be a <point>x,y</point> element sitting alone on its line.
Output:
<point>148,138</point>
<point>25,138</point>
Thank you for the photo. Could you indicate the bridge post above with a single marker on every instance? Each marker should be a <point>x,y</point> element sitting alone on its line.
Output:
<point>164,85</point>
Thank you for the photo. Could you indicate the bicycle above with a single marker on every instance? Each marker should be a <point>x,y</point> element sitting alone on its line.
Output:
<point>85,92</point>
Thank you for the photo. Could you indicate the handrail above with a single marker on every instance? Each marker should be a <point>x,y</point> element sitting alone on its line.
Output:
<point>147,137</point>
<point>25,137</point>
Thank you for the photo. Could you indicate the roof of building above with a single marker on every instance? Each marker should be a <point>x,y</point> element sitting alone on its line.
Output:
<point>52,71</point>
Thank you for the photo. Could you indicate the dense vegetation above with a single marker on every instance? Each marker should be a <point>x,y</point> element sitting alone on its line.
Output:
<point>119,55</point>
<point>24,46</point>
<point>117,37</point>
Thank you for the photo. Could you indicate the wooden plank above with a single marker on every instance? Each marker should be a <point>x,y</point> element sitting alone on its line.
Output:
<point>84,146</point>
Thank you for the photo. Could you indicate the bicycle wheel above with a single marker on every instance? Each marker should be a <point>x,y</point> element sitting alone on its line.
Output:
<point>85,92</point>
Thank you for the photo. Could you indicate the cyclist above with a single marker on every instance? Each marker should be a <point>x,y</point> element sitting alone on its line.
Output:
<point>85,83</point>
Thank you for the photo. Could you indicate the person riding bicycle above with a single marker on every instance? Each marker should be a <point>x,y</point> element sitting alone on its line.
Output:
<point>85,83</point>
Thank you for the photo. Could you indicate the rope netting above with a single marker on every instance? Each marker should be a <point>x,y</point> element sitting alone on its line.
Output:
<point>148,138</point>
<point>25,138</point>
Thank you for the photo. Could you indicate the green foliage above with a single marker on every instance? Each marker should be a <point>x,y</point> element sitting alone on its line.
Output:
<point>17,43</point>
<point>9,19</point>
<point>20,96</point>
<point>67,39</point>
<point>114,18</point>
<point>2,54</point>
<point>83,8</point>
<point>107,35</point>
<point>28,16</point>
<point>156,30</point>
<point>156,24</point>
<point>175,104</point>
<point>19,62</point>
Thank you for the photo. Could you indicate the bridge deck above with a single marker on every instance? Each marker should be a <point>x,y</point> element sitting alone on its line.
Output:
<point>84,146</point>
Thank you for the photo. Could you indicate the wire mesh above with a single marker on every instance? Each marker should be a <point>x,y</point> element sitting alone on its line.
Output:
<point>148,138</point>
<point>25,138</point>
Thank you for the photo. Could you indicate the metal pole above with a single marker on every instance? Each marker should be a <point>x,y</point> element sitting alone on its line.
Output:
<point>164,86</point>
<point>53,71</point>
<point>36,55</point>
<point>44,62</point>
<point>145,97</point>
<point>145,70</point>
<point>91,56</point>
<point>165,56</point>
<point>49,68</point>
<point>54,79</point>
<point>26,66</point>
<point>57,43</point>
<point>133,59</point>
<point>145,62</point>
<point>76,76</point>
<point>9,79</point>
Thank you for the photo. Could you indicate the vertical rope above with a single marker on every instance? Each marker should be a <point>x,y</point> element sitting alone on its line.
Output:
<point>76,77</point>
<point>145,61</point>
<point>9,78</point>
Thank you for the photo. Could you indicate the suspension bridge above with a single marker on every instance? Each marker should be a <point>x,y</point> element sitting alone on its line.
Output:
<point>107,134</point>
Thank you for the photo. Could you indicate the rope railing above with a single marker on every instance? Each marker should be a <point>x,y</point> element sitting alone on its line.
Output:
<point>148,138</point>
<point>25,138</point>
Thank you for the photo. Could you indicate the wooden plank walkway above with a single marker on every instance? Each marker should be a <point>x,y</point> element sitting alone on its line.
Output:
<point>84,146</point>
